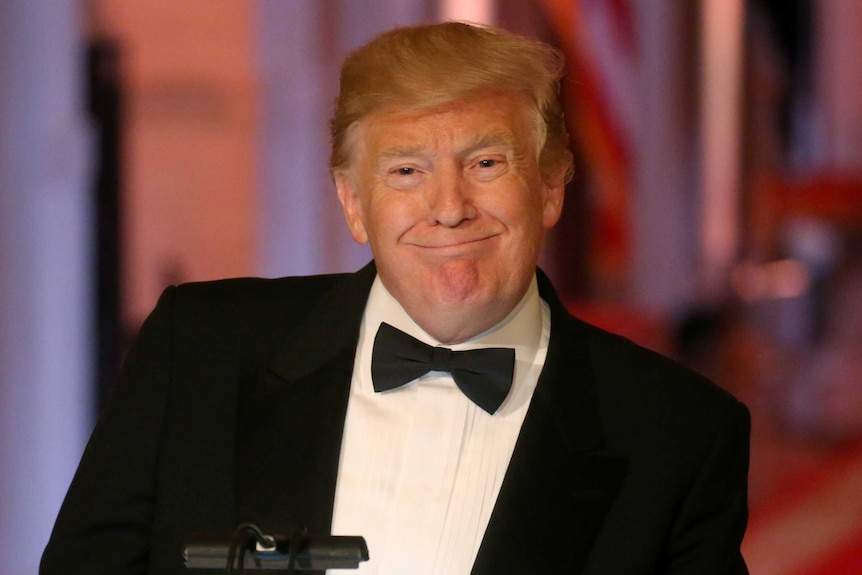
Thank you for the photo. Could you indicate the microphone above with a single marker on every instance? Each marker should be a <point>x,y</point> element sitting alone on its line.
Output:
<point>256,551</point>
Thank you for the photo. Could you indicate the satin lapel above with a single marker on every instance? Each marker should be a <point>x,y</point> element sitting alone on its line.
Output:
<point>559,484</point>
<point>291,416</point>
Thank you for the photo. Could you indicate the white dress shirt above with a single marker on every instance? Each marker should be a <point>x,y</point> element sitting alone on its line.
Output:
<point>421,466</point>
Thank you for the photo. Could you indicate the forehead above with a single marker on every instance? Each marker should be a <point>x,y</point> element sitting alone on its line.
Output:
<point>496,119</point>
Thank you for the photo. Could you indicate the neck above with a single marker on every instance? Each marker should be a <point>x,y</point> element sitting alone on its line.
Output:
<point>454,326</point>
<point>460,324</point>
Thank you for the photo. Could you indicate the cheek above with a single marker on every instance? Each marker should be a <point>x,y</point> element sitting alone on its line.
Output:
<point>531,223</point>
<point>387,218</point>
<point>521,209</point>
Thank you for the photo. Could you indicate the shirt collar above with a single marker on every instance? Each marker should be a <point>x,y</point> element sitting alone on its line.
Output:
<point>521,329</point>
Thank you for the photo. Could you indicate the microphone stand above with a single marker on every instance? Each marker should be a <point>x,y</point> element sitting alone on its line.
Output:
<point>248,548</point>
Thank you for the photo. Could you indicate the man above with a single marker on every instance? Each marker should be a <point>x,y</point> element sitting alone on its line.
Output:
<point>278,401</point>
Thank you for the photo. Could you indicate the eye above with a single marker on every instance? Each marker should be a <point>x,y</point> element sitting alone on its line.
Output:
<point>404,177</point>
<point>488,168</point>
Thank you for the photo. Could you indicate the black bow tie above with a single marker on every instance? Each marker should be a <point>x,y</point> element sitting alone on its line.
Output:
<point>484,375</point>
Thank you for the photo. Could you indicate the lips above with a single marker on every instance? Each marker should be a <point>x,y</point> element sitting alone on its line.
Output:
<point>442,243</point>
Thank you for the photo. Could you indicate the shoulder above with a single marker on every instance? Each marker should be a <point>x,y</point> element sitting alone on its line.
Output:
<point>644,396</point>
<point>626,367</point>
<point>248,296</point>
<point>238,313</point>
<point>253,291</point>
<point>641,396</point>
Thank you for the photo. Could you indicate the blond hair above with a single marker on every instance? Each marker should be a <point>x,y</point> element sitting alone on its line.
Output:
<point>420,67</point>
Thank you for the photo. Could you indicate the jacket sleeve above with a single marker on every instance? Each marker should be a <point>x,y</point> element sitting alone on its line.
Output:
<point>105,522</point>
<point>711,521</point>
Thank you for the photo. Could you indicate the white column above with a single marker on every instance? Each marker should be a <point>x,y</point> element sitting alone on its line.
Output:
<point>838,85</point>
<point>294,187</point>
<point>664,220</point>
<point>45,311</point>
<point>302,44</point>
<point>473,11</point>
<point>721,109</point>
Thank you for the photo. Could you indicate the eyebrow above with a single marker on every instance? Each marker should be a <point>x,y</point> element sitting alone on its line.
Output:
<point>400,152</point>
<point>501,138</point>
<point>478,142</point>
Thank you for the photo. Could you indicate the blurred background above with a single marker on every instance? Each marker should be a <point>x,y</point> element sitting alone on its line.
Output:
<point>715,216</point>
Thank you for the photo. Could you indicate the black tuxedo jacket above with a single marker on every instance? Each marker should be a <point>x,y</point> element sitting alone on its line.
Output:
<point>231,408</point>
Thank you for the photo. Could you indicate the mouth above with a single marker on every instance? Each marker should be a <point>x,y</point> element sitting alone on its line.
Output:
<point>453,243</point>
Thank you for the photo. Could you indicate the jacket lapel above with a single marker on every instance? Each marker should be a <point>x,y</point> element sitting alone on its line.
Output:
<point>291,416</point>
<point>559,484</point>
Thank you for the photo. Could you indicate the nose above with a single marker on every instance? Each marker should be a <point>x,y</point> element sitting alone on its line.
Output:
<point>449,203</point>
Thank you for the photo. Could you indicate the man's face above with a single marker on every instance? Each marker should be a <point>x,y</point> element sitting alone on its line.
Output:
<point>453,205</point>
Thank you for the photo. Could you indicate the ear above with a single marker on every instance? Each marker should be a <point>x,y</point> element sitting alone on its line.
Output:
<point>347,194</point>
<point>553,206</point>
<point>554,181</point>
